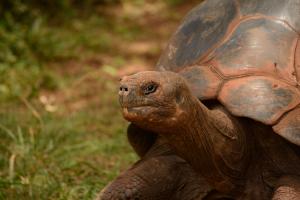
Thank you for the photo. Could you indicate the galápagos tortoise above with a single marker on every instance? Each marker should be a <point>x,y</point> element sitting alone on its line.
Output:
<point>241,59</point>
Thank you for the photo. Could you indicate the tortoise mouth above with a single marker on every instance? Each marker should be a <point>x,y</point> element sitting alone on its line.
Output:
<point>138,106</point>
<point>137,112</point>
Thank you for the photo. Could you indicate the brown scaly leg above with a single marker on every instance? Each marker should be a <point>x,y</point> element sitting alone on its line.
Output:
<point>159,175</point>
<point>288,188</point>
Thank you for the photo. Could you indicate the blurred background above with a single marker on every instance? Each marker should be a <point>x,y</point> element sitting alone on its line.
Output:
<point>62,133</point>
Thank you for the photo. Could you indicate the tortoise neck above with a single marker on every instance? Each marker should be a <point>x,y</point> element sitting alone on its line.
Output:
<point>204,141</point>
<point>191,140</point>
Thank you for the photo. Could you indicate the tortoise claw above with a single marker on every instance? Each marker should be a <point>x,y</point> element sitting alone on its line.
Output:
<point>119,190</point>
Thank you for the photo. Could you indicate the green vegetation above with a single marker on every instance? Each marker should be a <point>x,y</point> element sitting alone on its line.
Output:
<point>62,134</point>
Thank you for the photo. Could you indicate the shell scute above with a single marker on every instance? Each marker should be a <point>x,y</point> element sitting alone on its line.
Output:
<point>287,10</point>
<point>258,46</point>
<point>203,82</point>
<point>201,30</point>
<point>260,98</point>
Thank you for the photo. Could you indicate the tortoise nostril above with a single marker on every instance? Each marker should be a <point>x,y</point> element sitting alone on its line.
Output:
<point>124,88</point>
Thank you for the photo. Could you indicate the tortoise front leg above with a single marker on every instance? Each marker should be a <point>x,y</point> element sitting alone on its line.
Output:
<point>158,175</point>
<point>157,178</point>
<point>288,188</point>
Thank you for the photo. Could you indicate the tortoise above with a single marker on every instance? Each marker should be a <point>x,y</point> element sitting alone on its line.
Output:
<point>226,96</point>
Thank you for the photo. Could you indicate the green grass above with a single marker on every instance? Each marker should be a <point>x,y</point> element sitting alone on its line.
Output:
<point>62,155</point>
<point>62,133</point>
<point>72,147</point>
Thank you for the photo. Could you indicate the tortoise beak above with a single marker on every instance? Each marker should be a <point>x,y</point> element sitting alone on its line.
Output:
<point>123,93</point>
<point>127,99</point>
<point>127,94</point>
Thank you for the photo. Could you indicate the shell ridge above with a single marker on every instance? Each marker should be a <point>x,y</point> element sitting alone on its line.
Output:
<point>260,98</point>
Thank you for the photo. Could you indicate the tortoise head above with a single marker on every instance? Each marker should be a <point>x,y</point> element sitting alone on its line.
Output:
<point>153,99</point>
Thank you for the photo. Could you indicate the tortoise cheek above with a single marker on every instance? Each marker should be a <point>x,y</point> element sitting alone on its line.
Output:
<point>179,97</point>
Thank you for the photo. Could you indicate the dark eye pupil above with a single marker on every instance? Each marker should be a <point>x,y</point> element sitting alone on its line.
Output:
<point>150,89</point>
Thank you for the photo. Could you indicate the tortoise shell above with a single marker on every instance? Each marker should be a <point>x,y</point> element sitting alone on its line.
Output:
<point>246,54</point>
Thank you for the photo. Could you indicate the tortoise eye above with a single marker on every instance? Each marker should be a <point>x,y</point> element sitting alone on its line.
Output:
<point>150,88</point>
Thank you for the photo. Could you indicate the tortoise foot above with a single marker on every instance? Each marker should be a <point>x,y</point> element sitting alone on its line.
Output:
<point>122,189</point>
<point>288,188</point>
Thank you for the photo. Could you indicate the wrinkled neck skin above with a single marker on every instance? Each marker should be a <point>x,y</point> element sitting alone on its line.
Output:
<point>210,140</point>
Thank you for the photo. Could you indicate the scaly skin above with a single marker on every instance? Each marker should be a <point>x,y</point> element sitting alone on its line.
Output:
<point>159,175</point>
